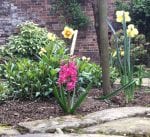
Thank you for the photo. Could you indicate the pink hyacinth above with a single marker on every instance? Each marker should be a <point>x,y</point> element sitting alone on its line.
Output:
<point>68,75</point>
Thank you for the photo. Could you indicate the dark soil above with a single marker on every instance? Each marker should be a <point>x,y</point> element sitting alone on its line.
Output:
<point>12,112</point>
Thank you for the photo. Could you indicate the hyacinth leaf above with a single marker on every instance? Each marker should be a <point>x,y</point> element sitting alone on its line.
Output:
<point>63,97</point>
<point>80,99</point>
<point>59,99</point>
<point>117,91</point>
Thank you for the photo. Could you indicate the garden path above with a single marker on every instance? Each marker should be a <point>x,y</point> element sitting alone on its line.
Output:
<point>114,122</point>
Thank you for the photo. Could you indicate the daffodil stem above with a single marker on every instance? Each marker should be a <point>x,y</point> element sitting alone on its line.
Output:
<point>125,46</point>
<point>129,60</point>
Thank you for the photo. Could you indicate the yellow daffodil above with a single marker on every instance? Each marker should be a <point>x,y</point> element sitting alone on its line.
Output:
<point>132,31</point>
<point>51,36</point>
<point>114,54</point>
<point>42,51</point>
<point>121,53</point>
<point>68,32</point>
<point>121,14</point>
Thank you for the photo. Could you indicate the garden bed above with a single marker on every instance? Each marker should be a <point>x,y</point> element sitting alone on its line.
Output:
<point>13,112</point>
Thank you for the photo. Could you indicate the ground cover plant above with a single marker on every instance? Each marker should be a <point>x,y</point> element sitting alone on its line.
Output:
<point>33,60</point>
<point>40,77</point>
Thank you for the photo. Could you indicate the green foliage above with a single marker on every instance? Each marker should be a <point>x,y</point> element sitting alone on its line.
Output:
<point>89,73</point>
<point>68,101</point>
<point>28,73</point>
<point>140,12</point>
<point>138,53</point>
<point>30,40</point>
<point>30,79</point>
<point>4,91</point>
<point>124,65</point>
<point>114,74</point>
<point>27,78</point>
<point>92,73</point>
<point>74,14</point>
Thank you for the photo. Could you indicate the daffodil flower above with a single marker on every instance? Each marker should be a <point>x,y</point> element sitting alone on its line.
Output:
<point>68,32</point>
<point>132,31</point>
<point>121,53</point>
<point>121,14</point>
<point>51,36</point>
<point>114,54</point>
<point>42,51</point>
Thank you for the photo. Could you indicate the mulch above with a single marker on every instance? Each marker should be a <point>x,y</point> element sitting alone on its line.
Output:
<point>15,111</point>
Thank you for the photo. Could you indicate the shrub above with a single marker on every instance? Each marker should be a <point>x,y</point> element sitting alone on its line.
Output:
<point>73,14</point>
<point>26,78</point>
<point>35,74</point>
<point>31,79</point>
<point>30,40</point>
<point>140,12</point>
<point>88,73</point>
<point>92,73</point>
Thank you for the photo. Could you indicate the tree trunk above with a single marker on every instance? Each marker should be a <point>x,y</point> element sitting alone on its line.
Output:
<point>100,14</point>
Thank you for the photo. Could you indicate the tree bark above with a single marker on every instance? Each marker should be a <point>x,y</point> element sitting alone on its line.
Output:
<point>100,14</point>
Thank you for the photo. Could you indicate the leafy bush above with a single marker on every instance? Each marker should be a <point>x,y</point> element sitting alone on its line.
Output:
<point>31,79</point>
<point>30,40</point>
<point>30,71</point>
<point>74,14</point>
<point>34,62</point>
<point>89,73</point>
<point>140,12</point>
<point>92,73</point>
<point>26,78</point>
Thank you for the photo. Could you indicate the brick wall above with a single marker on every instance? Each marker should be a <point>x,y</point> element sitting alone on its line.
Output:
<point>14,12</point>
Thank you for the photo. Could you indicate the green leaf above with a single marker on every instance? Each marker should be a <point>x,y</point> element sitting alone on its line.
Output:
<point>117,91</point>
<point>53,72</point>
<point>60,101</point>
<point>37,94</point>
<point>80,100</point>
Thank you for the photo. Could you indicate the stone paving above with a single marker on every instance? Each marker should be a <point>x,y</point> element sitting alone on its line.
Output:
<point>65,135</point>
<point>115,122</point>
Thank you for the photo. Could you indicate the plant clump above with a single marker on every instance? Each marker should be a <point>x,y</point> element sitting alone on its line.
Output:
<point>36,64</point>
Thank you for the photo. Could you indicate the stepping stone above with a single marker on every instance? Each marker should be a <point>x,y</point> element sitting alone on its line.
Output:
<point>117,113</point>
<point>68,135</point>
<point>50,125</point>
<point>72,123</point>
<point>137,127</point>
<point>8,130</point>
